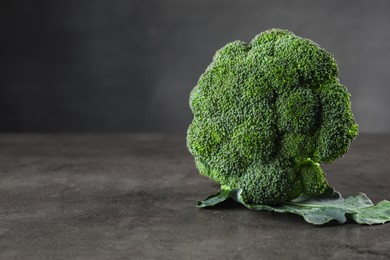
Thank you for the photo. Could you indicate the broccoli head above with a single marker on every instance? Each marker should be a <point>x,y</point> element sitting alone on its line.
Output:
<point>266,114</point>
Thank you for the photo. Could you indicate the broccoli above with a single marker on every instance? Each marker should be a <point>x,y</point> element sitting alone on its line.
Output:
<point>266,114</point>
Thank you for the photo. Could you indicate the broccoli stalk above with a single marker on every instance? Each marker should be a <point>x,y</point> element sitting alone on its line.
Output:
<point>266,114</point>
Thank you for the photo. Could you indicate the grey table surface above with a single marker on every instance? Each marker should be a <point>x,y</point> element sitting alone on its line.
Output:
<point>133,197</point>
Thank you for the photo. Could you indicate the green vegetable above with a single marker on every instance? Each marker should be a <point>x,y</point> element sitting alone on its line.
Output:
<point>266,115</point>
<point>318,210</point>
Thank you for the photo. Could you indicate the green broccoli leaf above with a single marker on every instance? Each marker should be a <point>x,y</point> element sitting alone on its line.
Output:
<point>375,214</point>
<point>215,199</point>
<point>318,210</point>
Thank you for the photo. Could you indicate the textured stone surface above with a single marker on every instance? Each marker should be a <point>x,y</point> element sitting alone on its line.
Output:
<point>133,196</point>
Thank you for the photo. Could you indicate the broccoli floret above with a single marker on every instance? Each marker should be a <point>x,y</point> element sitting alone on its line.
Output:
<point>266,114</point>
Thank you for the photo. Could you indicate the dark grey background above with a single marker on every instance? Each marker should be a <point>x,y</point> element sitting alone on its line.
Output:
<point>117,66</point>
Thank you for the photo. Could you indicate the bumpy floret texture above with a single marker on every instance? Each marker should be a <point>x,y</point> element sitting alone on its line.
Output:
<point>266,114</point>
